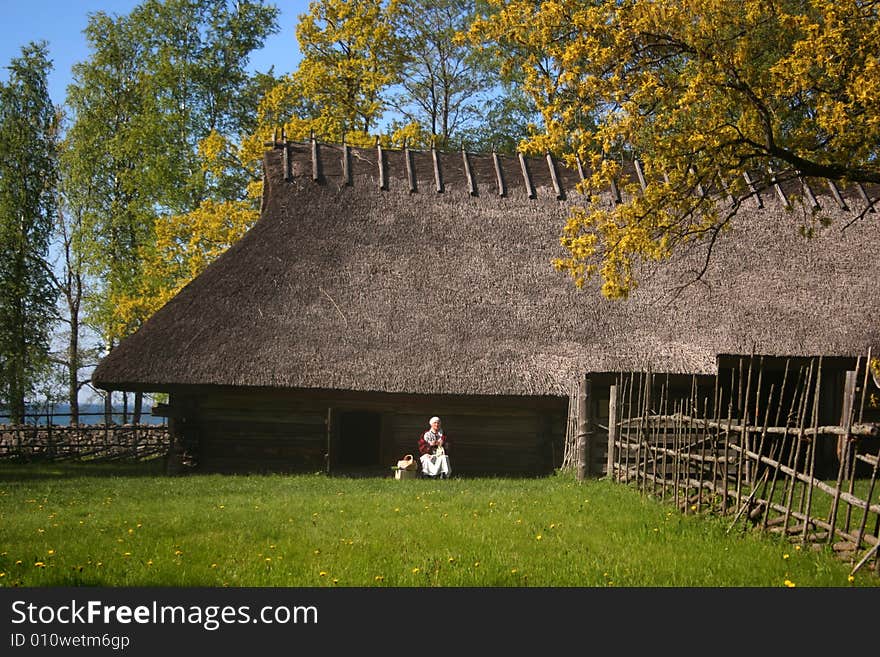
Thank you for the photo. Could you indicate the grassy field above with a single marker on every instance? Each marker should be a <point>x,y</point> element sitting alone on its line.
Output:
<point>78,525</point>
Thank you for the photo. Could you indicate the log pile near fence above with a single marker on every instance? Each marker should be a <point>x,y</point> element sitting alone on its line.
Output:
<point>750,449</point>
<point>84,442</point>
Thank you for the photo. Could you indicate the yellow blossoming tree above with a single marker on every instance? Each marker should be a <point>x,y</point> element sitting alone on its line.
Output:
<point>701,92</point>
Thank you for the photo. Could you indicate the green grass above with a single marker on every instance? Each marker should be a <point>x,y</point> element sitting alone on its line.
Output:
<point>92,525</point>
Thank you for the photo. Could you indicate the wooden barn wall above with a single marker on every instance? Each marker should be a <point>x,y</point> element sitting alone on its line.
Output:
<point>268,431</point>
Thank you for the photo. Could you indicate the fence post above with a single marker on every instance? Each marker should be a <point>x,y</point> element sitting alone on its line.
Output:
<point>583,436</point>
<point>612,431</point>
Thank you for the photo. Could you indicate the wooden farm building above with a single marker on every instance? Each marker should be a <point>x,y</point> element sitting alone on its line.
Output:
<point>379,288</point>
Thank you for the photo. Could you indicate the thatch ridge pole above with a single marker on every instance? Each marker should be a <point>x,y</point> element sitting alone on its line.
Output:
<point>346,164</point>
<point>469,174</point>
<point>835,192</point>
<point>438,174</point>
<point>580,166</point>
<point>584,402</point>
<point>410,172</point>
<point>554,175</point>
<point>779,192</point>
<point>808,192</point>
<point>527,178</point>
<point>864,195</point>
<point>752,190</point>
<point>316,163</point>
<point>499,175</point>
<point>612,429</point>
<point>615,192</point>
<point>383,174</point>
<point>640,174</point>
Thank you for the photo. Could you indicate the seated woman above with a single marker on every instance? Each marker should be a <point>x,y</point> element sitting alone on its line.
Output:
<point>433,450</point>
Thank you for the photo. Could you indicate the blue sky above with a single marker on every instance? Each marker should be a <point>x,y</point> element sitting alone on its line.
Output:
<point>61,24</point>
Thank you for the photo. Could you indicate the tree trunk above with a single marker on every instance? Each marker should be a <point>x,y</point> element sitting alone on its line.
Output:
<point>73,368</point>
<point>138,406</point>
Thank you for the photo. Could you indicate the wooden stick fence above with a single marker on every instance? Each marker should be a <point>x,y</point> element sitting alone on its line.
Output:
<point>47,441</point>
<point>754,447</point>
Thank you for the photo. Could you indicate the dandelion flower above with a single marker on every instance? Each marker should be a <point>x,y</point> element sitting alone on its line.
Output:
<point>39,564</point>
<point>451,559</point>
<point>18,563</point>
<point>323,573</point>
<point>2,574</point>
<point>851,579</point>
<point>476,564</point>
<point>51,552</point>
<point>790,584</point>
<point>335,581</point>
<point>416,571</point>
<point>149,562</point>
<point>538,537</point>
<point>513,570</point>
<point>126,554</point>
<point>268,559</point>
<point>317,552</point>
<point>693,507</point>
<point>797,547</point>
<point>785,556</point>
<point>379,578</point>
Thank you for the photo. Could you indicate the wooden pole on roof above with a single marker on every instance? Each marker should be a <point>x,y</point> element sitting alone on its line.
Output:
<point>472,187</point>
<point>808,192</point>
<point>580,166</point>
<point>865,198</point>
<point>410,172</point>
<point>554,175</point>
<point>380,159</point>
<point>286,157</point>
<point>640,174</point>
<point>835,192</point>
<point>584,427</point>
<point>316,163</point>
<point>438,174</point>
<point>499,174</point>
<point>779,191</point>
<point>346,163</point>
<point>527,178</point>
<point>752,189</point>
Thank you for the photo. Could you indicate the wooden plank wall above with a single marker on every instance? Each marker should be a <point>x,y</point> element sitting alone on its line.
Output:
<point>242,431</point>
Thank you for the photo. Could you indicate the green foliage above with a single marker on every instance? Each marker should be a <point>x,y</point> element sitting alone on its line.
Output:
<point>702,91</point>
<point>159,84</point>
<point>28,176</point>
<point>311,530</point>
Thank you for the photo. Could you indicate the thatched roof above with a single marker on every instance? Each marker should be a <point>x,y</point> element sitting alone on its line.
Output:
<point>345,283</point>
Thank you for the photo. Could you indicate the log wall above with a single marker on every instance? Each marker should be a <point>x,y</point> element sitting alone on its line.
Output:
<point>238,430</point>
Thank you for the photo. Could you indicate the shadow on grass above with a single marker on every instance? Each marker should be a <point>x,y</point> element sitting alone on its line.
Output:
<point>44,470</point>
